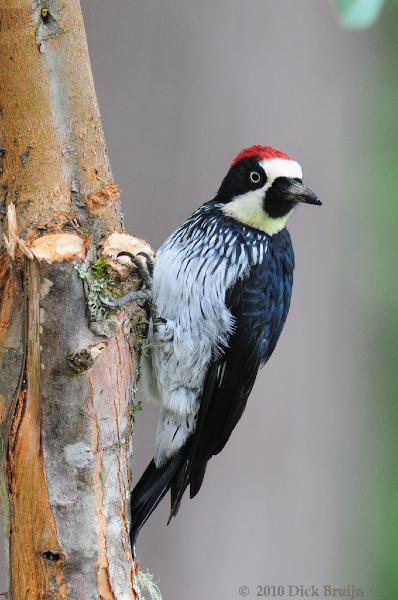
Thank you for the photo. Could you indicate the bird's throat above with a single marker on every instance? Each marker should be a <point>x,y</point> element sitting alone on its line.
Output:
<point>252,213</point>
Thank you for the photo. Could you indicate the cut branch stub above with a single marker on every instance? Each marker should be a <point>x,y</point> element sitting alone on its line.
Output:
<point>59,247</point>
<point>84,359</point>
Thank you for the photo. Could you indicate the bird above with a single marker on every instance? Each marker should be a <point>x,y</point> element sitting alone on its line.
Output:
<point>221,288</point>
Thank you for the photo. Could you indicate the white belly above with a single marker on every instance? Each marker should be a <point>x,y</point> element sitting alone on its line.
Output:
<point>189,292</point>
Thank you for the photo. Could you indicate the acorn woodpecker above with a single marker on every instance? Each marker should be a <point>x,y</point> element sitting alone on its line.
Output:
<point>222,285</point>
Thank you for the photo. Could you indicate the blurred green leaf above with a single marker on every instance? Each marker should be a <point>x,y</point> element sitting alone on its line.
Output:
<point>358,14</point>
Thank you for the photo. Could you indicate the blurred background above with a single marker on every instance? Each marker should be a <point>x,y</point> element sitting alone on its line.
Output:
<point>306,491</point>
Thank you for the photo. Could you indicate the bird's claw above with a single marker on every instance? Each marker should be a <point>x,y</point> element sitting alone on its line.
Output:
<point>145,272</point>
<point>159,321</point>
<point>163,329</point>
<point>126,299</point>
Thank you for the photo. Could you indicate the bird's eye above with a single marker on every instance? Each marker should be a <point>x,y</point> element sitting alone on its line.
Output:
<point>255,177</point>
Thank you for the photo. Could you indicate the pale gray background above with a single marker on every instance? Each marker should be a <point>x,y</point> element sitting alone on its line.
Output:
<point>182,86</point>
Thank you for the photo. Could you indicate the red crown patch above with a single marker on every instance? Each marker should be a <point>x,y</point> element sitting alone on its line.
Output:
<point>261,152</point>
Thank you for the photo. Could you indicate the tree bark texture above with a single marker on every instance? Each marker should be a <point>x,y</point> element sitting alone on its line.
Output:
<point>65,386</point>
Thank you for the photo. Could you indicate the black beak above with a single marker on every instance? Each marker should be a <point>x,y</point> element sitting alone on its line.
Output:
<point>295,191</point>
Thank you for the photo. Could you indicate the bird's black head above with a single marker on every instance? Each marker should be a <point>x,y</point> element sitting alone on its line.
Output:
<point>262,187</point>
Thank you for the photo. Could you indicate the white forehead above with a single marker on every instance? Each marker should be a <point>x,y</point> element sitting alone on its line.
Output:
<point>280,167</point>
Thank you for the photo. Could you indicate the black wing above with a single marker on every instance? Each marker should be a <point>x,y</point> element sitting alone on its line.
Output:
<point>260,304</point>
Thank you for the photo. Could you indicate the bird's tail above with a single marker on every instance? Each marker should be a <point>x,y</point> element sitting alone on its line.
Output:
<point>149,491</point>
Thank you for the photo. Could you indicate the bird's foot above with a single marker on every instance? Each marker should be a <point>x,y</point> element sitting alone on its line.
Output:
<point>126,299</point>
<point>145,271</point>
<point>163,329</point>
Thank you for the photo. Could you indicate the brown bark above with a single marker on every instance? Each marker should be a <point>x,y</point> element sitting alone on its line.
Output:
<point>65,411</point>
<point>53,149</point>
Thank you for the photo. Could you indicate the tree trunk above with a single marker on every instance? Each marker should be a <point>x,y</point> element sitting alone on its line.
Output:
<point>66,371</point>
